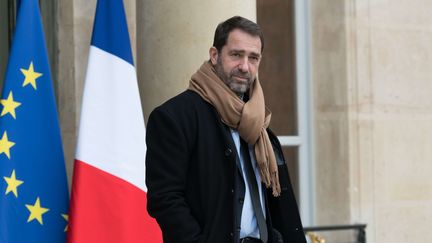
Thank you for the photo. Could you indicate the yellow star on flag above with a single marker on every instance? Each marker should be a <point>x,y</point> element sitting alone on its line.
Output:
<point>9,105</point>
<point>13,184</point>
<point>30,76</point>
<point>66,217</point>
<point>36,211</point>
<point>5,145</point>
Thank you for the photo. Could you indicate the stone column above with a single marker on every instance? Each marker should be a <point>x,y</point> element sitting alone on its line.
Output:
<point>329,69</point>
<point>373,116</point>
<point>173,39</point>
<point>66,83</point>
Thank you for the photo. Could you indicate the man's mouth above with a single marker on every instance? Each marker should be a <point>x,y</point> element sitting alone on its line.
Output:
<point>241,78</point>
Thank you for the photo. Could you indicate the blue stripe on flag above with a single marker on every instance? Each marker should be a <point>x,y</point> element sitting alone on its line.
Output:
<point>110,31</point>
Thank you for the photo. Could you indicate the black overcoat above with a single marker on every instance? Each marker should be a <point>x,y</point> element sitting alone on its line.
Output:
<point>190,176</point>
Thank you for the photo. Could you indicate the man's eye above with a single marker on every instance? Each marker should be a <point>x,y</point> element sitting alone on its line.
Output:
<point>254,59</point>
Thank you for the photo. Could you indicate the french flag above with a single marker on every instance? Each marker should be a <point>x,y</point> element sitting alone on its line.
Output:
<point>108,202</point>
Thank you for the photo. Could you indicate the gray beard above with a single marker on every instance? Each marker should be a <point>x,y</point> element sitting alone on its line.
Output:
<point>230,83</point>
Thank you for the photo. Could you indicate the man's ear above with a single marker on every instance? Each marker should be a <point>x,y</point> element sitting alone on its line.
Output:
<point>213,52</point>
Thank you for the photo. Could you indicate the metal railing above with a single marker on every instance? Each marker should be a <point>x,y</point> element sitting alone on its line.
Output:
<point>360,228</point>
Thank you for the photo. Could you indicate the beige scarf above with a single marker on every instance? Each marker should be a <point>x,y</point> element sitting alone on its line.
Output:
<point>250,119</point>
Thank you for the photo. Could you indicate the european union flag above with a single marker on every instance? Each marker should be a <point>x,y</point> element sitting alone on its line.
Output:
<point>33,187</point>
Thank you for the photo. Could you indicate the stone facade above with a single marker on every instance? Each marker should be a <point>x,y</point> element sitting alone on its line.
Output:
<point>373,114</point>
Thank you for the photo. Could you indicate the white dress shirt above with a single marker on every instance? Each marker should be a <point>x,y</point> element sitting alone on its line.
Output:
<point>248,223</point>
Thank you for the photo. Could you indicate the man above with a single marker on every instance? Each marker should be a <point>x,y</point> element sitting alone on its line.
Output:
<point>215,173</point>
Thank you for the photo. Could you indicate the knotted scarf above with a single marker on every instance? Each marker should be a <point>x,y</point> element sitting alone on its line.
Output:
<point>249,118</point>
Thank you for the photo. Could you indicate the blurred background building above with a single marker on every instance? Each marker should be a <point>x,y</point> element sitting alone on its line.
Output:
<point>349,83</point>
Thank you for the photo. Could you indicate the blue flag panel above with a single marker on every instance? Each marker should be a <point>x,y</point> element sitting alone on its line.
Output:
<point>33,186</point>
<point>115,39</point>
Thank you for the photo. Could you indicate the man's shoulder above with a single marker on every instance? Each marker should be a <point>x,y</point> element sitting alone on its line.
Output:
<point>186,110</point>
<point>187,102</point>
<point>186,97</point>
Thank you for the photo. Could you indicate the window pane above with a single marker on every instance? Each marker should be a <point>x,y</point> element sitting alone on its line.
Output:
<point>277,69</point>
<point>291,159</point>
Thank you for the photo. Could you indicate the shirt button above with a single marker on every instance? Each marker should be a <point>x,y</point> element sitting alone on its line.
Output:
<point>232,190</point>
<point>228,152</point>
<point>231,234</point>
<point>241,200</point>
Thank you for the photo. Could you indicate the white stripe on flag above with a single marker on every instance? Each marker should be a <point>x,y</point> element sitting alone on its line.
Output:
<point>112,132</point>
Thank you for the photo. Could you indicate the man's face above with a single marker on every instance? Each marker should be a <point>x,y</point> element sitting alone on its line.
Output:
<point>238,61</point>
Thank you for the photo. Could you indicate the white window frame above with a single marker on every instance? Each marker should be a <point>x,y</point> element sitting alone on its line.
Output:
<point>304,140</point>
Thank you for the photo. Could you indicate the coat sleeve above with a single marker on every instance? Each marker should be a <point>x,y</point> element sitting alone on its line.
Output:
<point>166,173</point>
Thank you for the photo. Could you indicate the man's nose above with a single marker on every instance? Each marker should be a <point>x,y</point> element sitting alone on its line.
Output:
<point>244,65</point>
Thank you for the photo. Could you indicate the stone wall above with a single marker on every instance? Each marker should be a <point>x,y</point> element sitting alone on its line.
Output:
<point>372,62</point>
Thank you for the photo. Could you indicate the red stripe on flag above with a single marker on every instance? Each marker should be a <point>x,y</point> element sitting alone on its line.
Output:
<point>105,208</point>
